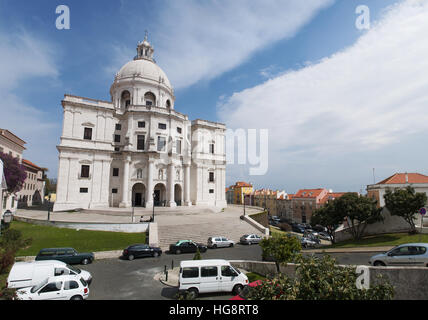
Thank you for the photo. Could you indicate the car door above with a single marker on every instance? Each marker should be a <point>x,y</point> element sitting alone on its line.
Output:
<point>418,257</point>
<point>399,257</point>
<point>210,280</point>
<point>224,242</point>
<point>227,279</point>
<point>145,251</point>
<point>71,256</point>
<point>51,291</point>
<point>71,288</point>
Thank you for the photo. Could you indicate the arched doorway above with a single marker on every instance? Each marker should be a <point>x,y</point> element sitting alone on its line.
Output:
<point>178,194</point>
<point>138,195</point>
<point>125,99</point>
<point>159,195</point>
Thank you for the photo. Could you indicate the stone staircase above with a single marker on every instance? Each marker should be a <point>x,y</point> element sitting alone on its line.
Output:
<point>200,232</point>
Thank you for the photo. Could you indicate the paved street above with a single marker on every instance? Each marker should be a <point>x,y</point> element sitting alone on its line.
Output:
<point>116,279</point>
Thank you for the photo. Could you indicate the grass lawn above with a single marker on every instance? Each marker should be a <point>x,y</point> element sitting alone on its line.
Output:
<point>390,239</point>
<point>82,240</point>
<point>254,277</point>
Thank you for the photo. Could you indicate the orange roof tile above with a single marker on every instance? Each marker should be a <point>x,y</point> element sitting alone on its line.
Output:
<point>29,163</point>
<point>400,178</point>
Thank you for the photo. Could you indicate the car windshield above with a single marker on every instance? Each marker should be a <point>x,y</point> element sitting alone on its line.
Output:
<point>37,287</point>
<point>74,269</point>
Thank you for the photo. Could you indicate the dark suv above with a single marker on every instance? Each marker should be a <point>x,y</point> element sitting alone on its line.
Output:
<point>67,255</point>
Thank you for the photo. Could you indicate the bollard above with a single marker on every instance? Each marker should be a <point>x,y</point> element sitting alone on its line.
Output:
<point>172,264</point>
<point>166,275</point>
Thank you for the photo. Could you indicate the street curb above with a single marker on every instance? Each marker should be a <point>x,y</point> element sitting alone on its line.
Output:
<point>100,255</point>
<point>349,250</point>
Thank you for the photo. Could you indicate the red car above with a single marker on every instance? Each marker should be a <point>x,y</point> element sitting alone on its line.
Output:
<point>244,293</point>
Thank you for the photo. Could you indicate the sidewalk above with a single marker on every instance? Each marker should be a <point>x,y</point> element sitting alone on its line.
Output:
<point>98,255</point>
<point>350,250</point>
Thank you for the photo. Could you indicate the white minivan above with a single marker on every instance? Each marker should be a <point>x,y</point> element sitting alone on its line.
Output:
<point>28,274</point>
<point>209,276</point>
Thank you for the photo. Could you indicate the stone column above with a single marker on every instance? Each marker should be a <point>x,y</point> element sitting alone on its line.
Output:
<point>171,179</point>
<point>187,201</point>
<point>150,186</point>
<point>125,183</point>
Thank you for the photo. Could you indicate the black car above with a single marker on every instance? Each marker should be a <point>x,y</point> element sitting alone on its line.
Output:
<point>295,227</point>
<point>186,246</point>
<point>67,255</point>
<point>141,250</point>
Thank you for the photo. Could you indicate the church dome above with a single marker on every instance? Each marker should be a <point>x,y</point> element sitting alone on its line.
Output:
<point>143,68</point>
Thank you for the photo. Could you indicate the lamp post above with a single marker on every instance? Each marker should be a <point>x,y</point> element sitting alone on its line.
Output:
<point>244,203</point>
<point>7,218</point>
<point>49,206</point>
<point>153,215</point>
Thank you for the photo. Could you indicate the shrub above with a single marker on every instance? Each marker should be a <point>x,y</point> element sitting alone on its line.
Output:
<point>197,255</point>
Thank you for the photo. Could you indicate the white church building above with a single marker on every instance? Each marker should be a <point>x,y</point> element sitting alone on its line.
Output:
<point>137,150</point>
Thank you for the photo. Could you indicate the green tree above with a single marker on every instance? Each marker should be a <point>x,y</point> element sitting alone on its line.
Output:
<point>328,217</point>
<point>197,255</point>
<point>10,242</point>
<point>405,203</point>
<point>320,279</point>
<point>281,248</point>
<point>360,212</point>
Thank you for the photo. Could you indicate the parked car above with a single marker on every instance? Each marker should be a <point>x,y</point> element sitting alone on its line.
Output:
<point>410,254</point>
<point>295,227</point>
<point>141,250</point>
<point>69,287</point>
<point>319,228</point>
<point>67,255</point>
<point>186,246</point>
<point>219,242</point>
<point>250,239</point>
<point>209,276</point>
<point>324,236</point>
<point>308,242</point>
<point>28,274</point>
<point>246,291</point>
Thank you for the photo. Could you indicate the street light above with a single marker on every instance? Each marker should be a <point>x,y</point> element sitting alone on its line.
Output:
<point>153,216</point>
<point>7,218</point>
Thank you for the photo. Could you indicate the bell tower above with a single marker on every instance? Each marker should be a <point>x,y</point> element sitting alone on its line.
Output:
<point>144,50</point>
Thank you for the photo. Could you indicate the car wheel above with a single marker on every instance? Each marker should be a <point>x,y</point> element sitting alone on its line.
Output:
<point>237,289</point>
<point>249,243</point>
<point>177,251</point>
<point>192,293</point>
<point>85,261</point>
<point>231,245</point>
<point>379,264</point>
<point>131,257</point>
<point>76,298</point>
<point>155,254</point>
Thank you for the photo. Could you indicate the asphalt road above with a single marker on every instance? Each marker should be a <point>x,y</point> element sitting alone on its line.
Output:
<point>116,279</point>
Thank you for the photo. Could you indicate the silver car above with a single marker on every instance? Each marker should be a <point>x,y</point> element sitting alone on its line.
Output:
<point>409,254</point>
<point>219,242</point>
<point>250,239</point>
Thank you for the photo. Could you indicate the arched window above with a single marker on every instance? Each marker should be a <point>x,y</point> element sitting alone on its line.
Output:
<point>168,104</point>
<point>139,173</point>
<point>150,99</point>
<point>125,99</point>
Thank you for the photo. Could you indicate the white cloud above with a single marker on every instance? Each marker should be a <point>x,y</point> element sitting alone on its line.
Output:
<point>369,96</point>
<point>24,57</point>
<point>200,40</point>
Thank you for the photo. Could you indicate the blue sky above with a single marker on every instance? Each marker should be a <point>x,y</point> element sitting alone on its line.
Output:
<point>218,56</point>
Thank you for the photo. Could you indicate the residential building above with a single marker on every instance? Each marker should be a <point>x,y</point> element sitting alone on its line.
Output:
<point>32,192</point>
<point>137,150</point>
<point>241,191</point>
<point>14,146</point>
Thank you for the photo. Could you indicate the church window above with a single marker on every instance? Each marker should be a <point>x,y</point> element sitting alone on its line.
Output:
<point>150,99</point>
<point>118,126</point>
<point>115,172</point>
<point>212,148</point>
<point>125,99</point>
<point>211,177</point>
<point>113,190</point>
<point>179,130</point>
<point>87,134</point>
<point>117,138</point>
<point>140,142</point>
<point>168,104</point>
<point>83,190</point>
<point>84,171</point>
<point>162,126</point>
<point>141,124</point>
<point>161,143</point>
<point>211,190</point>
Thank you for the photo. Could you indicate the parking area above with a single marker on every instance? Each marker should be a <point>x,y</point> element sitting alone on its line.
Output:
<point>116,279</point>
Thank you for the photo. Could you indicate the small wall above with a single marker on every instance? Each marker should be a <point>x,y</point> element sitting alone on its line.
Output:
<point>261,218</point>
<point>114,227</point>
<point>410,283</point>
<point>257,225</point>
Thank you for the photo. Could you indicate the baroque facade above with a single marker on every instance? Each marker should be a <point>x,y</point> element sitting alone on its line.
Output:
<point>137,150</point>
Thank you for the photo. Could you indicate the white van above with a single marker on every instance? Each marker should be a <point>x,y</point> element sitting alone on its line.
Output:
<point>208,276</point>
<point>28,274</point>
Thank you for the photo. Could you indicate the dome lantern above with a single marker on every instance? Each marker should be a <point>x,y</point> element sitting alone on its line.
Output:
<point>144,50</point>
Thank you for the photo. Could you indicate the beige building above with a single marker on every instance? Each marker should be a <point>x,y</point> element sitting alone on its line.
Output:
<point>32,192</point>
<point>14,146</point>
